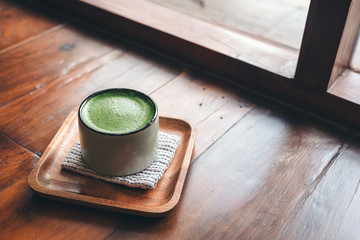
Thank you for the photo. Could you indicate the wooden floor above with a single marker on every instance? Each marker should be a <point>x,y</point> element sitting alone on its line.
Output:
<point>260,169</point>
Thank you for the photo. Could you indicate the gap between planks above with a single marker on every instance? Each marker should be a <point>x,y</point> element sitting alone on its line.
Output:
<point>32,38</point>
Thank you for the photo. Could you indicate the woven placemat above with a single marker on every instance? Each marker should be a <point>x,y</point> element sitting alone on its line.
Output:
<point>146,179</point>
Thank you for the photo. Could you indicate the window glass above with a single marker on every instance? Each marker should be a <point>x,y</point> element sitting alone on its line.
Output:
<point>281,21</point>
<point>355,60</point>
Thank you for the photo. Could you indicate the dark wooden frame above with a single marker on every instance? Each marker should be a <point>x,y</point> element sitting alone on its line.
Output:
<point>328,41</point>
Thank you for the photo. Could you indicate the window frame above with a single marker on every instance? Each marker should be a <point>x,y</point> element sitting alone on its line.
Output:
<point>328,41</point>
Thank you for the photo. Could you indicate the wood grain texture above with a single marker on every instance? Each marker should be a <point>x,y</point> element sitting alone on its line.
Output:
<point>260,170</point>
<point>206,97</point>
<point>50,180</point>
<point>38,62</point>
<point>250,182</point>
<point>15,162</point>
<point>224,117</point>
<point>19,24</point>
<point>332,210</point>
<point>114,69</point>
<point>27,216</point>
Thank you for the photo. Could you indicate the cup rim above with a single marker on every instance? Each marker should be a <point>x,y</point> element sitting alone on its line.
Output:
<point>151,122</point>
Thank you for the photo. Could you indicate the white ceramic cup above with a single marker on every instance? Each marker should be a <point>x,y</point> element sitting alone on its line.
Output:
<point>123,153</point>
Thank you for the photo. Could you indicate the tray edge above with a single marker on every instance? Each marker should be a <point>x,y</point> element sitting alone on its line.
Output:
<point>157,211</point>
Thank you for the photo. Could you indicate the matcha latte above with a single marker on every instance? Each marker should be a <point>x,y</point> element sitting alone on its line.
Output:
<point>117,111</point>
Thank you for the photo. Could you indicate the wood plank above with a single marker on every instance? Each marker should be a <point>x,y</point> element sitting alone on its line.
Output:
<point>12,227</point>
<point>143,71</point>
<point>19,22</point>
<point>256,181</point>
<point>250,182</point>
<point>16,162</point>
<point>214,126</point>
<point>257,165</point>
<point>34,125</point>
<point>213,107</point>
<point>332,210</point>
<point>25,215</point>
<point>46,214</point>
<point>34,64</point>
<point>193,97</point>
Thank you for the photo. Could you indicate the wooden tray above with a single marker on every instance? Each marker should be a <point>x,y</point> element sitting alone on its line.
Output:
<point>49,180</point>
